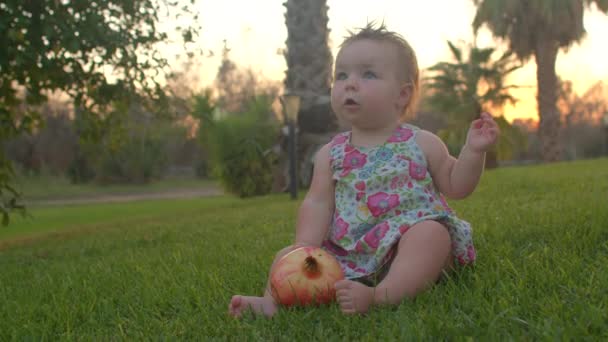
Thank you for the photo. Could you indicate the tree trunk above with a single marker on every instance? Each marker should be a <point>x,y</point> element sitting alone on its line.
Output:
<point>545,53</point>
<point>309,69</point>
<point>309,63</point>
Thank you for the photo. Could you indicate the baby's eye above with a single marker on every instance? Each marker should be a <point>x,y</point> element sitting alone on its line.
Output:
<point>369,74</point>
<point>340,76</point>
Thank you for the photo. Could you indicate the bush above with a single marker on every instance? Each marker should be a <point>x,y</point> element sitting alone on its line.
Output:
<point>203,108</point>
<point>51,146</point>
<point>80,170</point>
<point>140,157</point>
<point>240,147</point>
<point>130,145</point>
<point>134,162</point>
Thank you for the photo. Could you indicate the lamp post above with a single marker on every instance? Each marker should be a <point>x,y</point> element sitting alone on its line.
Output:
<point>291,107</point>
<point>605,124</point>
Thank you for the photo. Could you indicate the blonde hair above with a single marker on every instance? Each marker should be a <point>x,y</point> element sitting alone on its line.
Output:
<point>410,73</point>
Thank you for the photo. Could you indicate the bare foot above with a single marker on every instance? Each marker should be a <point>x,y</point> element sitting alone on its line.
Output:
<point>258,305</point>
<point>354,297</point>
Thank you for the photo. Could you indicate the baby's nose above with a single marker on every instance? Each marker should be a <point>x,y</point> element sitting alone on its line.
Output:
<point>352,84</point>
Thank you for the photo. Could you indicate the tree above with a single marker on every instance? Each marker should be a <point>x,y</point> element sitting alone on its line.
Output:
<point>309,73</point>
<point>539,28</point>
<point>463,89</point>
<point>309,62</point>
<point>581,116</point>
<point>237,87</point>
<point>49,148</point>
<point>590,107</point>
<point>97,52</point>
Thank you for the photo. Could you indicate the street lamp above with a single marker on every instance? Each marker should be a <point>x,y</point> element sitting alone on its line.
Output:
<point>291,107</point>
<point>605,124</point>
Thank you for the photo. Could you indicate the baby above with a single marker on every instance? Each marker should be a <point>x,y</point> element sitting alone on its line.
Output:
<point>376,199</point>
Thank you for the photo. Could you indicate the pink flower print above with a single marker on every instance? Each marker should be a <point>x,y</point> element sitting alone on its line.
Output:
<point>381,203</point>
<point>345,172</point>
<point>359,247</point>
<point>461,259</point>
<point>359,195</point>
<point>404,228</point>
<point>354,160</point>
<point>373,237</point>
<point>471,253</point>
<point>339,139</point>
<point>360,186</point>
<point>341,229</point>
<point>417,171</point>
<point>394,182</point>
<point>402,134</point>
<point>402,157</point>
<point>398,181</point>
<point>351,265</point>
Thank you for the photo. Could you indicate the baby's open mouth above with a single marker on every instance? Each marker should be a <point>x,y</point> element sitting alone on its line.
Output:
<point>349,102</point>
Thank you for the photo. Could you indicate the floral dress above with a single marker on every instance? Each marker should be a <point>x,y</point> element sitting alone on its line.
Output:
<point>381,192</point>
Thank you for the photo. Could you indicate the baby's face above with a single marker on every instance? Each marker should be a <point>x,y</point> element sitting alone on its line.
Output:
<point>367,91</point>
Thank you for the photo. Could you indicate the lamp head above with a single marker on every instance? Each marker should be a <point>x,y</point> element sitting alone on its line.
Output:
<point>291,106</point>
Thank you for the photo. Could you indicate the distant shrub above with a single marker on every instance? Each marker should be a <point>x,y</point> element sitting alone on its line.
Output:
<point>50,148</point>
<point>130,145</point>
<point>139,157</point>
<point>240,146</point>
<point>80,170</point>
<point>203,108</point>
<point>134,162</point>
<point>201,169</point>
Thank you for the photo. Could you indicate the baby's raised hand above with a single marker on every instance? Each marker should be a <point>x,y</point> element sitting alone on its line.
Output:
<point>483,133</point>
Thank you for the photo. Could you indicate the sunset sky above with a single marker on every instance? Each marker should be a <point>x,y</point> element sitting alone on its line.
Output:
<point>255,30</point>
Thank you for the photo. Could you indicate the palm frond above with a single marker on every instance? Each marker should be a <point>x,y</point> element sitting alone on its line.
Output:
<point>456,52</point>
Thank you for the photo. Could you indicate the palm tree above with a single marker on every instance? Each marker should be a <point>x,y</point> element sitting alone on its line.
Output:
<point>539,28</point>
<point>309,72</point>
<point>463,89</point>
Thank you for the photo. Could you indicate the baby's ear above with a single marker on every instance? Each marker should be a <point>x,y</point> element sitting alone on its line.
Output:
<point>405,94</point>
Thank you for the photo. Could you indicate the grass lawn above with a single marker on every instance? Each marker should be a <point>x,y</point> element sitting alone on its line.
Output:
<point>45,187</point>
<point>168,268</point>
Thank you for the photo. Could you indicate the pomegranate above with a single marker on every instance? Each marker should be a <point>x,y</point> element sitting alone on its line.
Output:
<point>305,276</point>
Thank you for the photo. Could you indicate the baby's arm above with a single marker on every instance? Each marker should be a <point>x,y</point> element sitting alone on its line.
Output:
<point>457,178</point>
<point>314,216</point>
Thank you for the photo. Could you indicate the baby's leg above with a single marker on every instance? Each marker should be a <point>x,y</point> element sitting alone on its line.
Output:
<point>264,305</point>
<point>424,251</point>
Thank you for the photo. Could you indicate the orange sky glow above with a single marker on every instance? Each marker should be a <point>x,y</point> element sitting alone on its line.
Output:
<point>255,31</point>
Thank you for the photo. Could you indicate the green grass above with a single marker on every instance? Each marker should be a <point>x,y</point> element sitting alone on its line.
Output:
<point>42,222</point>
<point>46,187</point>
<point>168,268</point>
